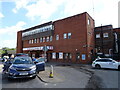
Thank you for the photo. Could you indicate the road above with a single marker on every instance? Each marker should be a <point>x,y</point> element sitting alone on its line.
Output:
<point>71,77</point>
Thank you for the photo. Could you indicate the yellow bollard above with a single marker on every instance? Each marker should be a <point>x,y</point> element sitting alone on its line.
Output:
<point>51,72</point>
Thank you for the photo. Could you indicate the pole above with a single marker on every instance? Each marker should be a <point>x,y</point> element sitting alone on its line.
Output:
<point>45,53</point>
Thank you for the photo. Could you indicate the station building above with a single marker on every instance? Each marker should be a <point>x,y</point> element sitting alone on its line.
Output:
<point>66,40</point>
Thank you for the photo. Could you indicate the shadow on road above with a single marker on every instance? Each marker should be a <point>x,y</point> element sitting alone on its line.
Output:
<point>21,80</point>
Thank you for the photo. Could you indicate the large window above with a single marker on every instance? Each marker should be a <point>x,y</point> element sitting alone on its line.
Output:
<point>69,35</point>
<point>65,35</point>
<point>97,35</point>
<point>105,34</point>
<point>57,37</point>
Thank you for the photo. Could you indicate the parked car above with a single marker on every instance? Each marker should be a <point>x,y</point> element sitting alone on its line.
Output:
<point>40,64</point>
<point>21,54</point>
<point>22,67</point>
<point>106,63</point>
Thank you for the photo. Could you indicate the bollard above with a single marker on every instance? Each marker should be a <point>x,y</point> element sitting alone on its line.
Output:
<point>51,72</point>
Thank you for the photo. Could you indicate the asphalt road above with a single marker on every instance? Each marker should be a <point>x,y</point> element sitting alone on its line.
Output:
<point>72,77</point>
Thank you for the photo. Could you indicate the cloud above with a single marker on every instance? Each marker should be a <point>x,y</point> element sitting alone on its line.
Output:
<point>13,29</point>
<point>1,15</point>
<point>103,11</point>
<point>8,43</point>
<point>10,35</point>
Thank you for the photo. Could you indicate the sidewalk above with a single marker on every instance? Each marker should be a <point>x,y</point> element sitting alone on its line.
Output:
<point>57,76</point>
<point>44,76</point>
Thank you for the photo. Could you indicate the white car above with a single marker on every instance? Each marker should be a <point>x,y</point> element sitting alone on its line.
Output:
<point>106,63</point>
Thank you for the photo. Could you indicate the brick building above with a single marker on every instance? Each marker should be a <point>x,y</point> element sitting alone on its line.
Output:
<point>104,40</point>
<point>116,32</point>
<point>67,40</point>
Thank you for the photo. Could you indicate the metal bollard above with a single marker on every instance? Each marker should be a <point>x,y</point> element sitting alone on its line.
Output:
<point>51,72</point>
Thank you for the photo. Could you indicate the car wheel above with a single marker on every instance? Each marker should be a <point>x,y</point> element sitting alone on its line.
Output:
<point>119,67</point>
<point>97,66</point>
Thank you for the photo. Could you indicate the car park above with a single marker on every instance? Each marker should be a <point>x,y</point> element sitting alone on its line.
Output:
<point>22,67</point>
<point>106,63</point>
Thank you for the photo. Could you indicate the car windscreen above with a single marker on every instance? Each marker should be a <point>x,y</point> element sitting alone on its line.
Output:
<point>41,59</point>
<point>23,60</point>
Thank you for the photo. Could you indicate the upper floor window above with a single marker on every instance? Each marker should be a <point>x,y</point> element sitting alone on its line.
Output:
<point>30,41</point>
<point>69,35</point>
<point>43,39</point>
<point>105,34</point>
<point>50,38</point>
<point>57,37</point>
<point>97,35</point>
<point>65,35</point>
<point>88,21</point>
<point>35,40</point>
<point>47,39</point>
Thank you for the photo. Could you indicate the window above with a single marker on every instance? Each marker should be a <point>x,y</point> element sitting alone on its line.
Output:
<point>97,35</point>
<point>60,55</point>
<point>69,56</point>
<point>35,40</point>
<point>105,34</point>
<point>88,21</point>
<point>69,35</point>
<point>77,56</point>
<point>41,39</point>
<point>65,35</point>
<point>53,55</point>
<point>47,39</point>
<point>50,38</point>
<point>30,41</point>
<point>57,37</point>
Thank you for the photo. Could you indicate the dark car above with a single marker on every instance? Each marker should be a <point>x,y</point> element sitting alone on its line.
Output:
<point>22,67</point>
<point>40,64</point>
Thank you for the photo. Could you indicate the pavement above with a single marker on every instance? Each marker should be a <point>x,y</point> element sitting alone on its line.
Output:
<point>44,76</point>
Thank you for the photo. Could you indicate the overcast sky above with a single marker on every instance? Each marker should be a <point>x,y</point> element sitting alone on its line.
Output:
<point>18,15</point>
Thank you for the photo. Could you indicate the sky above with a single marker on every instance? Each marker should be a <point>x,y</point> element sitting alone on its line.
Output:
<point>16,15</point>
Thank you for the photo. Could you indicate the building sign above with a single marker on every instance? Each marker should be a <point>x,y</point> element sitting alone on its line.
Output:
<point>60,55</point>
<point>38,30</point>
<point>38,48</point>
<point>83,57</point>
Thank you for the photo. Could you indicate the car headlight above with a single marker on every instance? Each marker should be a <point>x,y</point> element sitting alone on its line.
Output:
<point>33,68</point>
<point>13,68</point>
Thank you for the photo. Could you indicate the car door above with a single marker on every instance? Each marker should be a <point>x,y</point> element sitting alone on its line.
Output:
<point>40,65</point>
<point>112,64</point>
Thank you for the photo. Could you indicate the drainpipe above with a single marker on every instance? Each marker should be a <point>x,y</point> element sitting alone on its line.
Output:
<point>116,44</point>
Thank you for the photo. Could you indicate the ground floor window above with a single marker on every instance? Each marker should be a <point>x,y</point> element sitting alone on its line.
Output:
<point>77,56</point>
<point>53,55</point>
<point>60,55</point>
<point>69,56</point>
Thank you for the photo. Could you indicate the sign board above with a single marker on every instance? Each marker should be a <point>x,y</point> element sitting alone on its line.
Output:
<point>83,57</point>
<point>45,48</point>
